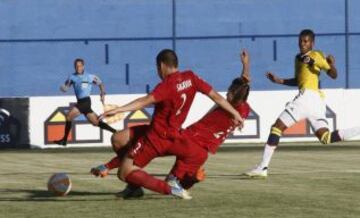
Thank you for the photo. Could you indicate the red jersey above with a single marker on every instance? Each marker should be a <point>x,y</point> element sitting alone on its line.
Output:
<point>212,130</point>
<point>174,96</point>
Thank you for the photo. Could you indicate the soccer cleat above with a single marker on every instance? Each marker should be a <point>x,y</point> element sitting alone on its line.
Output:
<point>176,189</point>
<point>61,142</point>
<point>100,170</point>
<point>257,172</point>
<point>201,175</point>
<point>131,192</point>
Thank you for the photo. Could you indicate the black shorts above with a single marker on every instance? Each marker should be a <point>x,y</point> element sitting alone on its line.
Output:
<point>84,105</point>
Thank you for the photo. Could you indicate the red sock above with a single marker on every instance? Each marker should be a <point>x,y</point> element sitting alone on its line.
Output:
<point>141,178</point>
<point>114,163</point>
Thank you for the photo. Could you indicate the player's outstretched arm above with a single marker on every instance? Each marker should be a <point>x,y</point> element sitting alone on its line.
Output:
<point>333,71</point>
<point>97,81</point>
<point>273,78</point>
<point>64,87</point>
<point>102,92</point>
<point>137,104</point>
<point>222,102</point>
<point>245,60</point>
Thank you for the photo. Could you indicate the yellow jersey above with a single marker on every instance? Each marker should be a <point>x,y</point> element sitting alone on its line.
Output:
<point>307,75</point>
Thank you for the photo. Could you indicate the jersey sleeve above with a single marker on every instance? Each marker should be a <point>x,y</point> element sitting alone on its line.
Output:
<point>161,92</point>
<point>201,85</point>
<point>321,62</point>
<point>96,80</point>
<point>69,80</point>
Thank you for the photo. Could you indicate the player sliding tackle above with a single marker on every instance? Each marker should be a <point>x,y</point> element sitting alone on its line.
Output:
<point>172,98</point>
<point>197,140</point>
<point>207,134</point>
<point>82,83</point>
<point>308,104</point>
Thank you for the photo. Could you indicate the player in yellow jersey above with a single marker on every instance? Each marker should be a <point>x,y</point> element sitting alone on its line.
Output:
<point>308,104</point>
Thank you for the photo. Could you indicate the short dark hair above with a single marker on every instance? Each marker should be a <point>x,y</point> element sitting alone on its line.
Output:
<point>239,89</point>
<point>79,60</point>
<point>168,57</point>
<point>307,32</point>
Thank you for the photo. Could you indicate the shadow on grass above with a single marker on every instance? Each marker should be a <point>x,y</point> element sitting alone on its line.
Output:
<point>220,176</point>
<point>48,174</point>
<point>234,177</point>
<point>46,196</point>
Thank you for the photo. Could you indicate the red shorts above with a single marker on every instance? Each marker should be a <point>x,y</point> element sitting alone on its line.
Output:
<point>141,150</point>
<point>189,156</point>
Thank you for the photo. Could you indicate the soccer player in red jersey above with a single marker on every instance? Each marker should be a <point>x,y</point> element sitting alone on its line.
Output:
<point>203,136</point>
<point>172,98</point>
<point>209,135</point>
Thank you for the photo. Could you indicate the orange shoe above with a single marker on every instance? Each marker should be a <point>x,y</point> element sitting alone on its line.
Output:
<point>201,174</point>
<point>100,170</point>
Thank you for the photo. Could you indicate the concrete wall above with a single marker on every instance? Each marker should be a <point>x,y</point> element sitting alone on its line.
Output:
<point>39,40</point>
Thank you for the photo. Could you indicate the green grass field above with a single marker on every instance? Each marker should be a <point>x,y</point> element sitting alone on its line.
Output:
<point>305,181</point>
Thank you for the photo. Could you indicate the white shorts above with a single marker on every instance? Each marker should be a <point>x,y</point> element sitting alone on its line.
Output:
<point>308,104</point>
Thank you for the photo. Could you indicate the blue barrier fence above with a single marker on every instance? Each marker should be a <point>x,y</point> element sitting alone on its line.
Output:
<point>119,40</point>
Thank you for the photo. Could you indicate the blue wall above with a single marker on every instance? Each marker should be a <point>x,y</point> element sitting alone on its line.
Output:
<point>39,40</point>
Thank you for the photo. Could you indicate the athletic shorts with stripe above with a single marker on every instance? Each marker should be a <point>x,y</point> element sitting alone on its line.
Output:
<point>308,104</point>
<point>189,157</point>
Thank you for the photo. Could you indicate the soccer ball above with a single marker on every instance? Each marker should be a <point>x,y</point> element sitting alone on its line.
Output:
<point>59,184</point>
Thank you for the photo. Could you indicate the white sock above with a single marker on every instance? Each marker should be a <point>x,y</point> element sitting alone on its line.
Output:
<point>346,134</point>
<point>268,153</point>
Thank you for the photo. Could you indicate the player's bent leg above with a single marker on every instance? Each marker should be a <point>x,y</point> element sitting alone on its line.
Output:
<point>276,132</point>
<point>140,155</point>
<point>189,158</point>
<point>70,116</point>
<point>261,171</point>
<point>131,190</point>
<point>324,135</point>
<point>126,168</point>
<point>127,137</point>
<point>93,119</point>
<point>347,134</point>
<point>327,137</point>
<point>137,156</point>
<point>188,164</point>
<point>121,142</point>
<point>73,113</point>
<point>104,169</point>
<point>189,179</point>
<point>120,139</point>
<point>185,172</point>
<point>136,176</point>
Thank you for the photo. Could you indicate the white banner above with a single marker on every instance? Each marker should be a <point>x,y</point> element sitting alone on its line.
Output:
<point>47,117</point>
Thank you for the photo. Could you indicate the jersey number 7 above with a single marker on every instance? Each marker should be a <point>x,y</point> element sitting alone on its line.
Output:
<point>183,97</point>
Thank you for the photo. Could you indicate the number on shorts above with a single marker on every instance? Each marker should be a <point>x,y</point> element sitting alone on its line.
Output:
<point>183,97</point>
